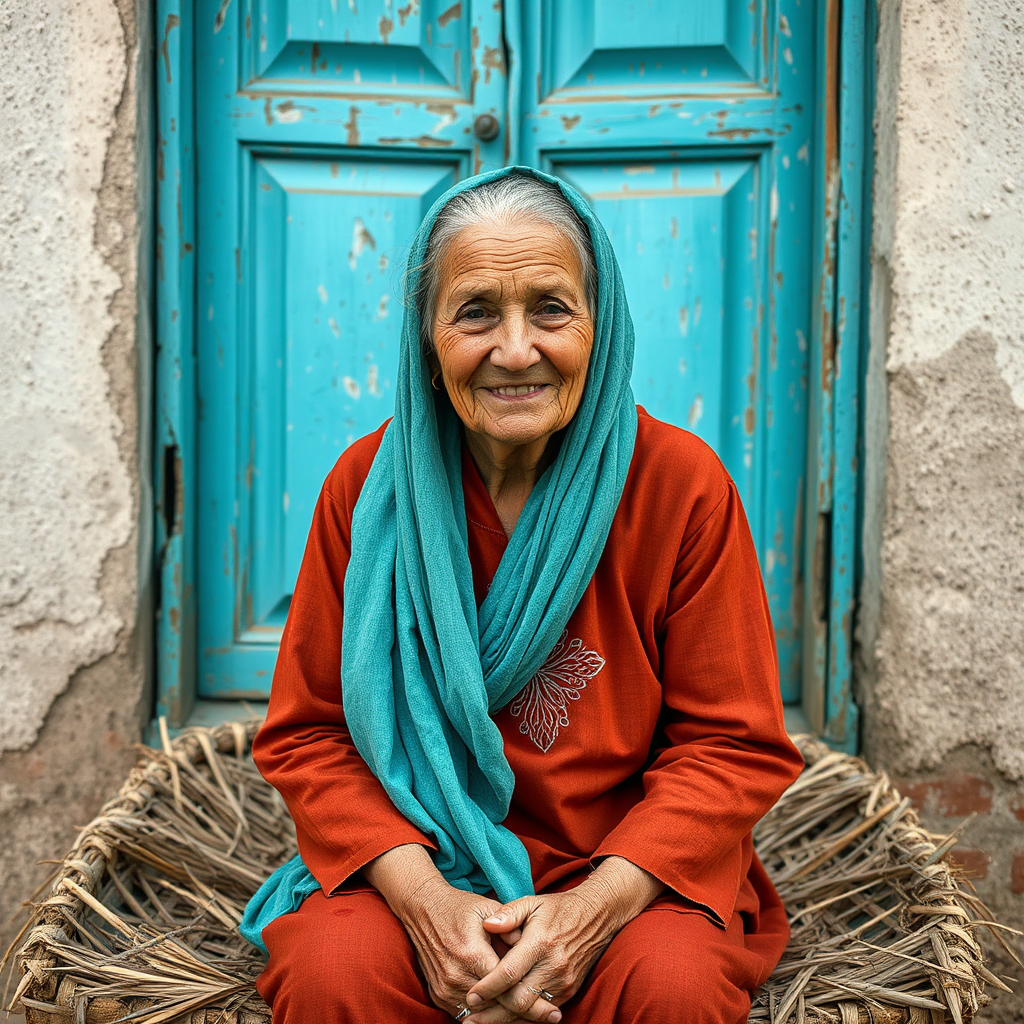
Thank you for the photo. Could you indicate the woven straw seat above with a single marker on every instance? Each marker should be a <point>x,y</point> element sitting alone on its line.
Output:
<point>140,921</point>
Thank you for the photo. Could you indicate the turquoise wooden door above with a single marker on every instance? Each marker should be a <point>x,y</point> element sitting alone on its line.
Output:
<point>324,131</point>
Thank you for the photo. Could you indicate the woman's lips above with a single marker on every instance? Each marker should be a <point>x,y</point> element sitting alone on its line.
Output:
<point>516,392</point>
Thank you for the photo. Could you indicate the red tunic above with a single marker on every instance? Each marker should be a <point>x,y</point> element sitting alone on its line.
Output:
<point>654,730</point>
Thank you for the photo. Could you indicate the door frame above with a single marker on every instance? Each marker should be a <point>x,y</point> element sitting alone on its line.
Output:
<point>843,168</point>
<point>174,432</point>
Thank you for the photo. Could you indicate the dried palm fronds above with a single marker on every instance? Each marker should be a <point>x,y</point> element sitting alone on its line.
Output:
<point>140,922</point>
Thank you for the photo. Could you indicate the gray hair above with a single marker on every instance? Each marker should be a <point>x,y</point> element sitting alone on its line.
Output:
<point>507,200</point>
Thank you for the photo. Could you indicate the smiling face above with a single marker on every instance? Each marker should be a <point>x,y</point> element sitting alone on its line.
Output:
<point>511,330</point>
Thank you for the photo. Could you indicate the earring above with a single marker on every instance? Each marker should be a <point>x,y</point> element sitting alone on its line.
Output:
<point>434,379</point>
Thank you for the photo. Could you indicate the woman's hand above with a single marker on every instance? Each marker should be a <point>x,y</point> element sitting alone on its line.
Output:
<point>557,939</point>
<point>444,924</point>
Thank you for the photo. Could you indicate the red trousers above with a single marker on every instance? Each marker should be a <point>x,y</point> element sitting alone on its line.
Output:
<point>347,960</point>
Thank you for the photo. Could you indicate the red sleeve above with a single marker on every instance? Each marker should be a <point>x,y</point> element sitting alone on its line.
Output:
<point>723,757</point>
<point>343,817</point>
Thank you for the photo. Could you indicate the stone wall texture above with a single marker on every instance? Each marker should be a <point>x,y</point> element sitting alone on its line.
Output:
<point>73,297</point>
<point>942,612</point>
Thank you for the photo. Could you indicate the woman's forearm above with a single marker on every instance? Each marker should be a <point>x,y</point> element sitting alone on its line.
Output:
<point>404,876</point>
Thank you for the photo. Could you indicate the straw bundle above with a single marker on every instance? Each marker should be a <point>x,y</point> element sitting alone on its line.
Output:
<point>883,931</point>
<point>140,922</point>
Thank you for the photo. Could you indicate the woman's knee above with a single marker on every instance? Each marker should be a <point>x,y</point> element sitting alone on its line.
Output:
<point>669,988</point>
<point>671,969</point>
<point>343,960</point>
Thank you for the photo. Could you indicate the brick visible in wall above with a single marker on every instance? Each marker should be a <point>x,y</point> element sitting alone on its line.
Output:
<point>951,796</point>
<point>973,863</point>
<point>1017,874</point>
<point>1017,806</point>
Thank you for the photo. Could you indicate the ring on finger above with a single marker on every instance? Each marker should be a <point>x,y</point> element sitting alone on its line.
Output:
<point>542,992</point>
<point>464,1012</point>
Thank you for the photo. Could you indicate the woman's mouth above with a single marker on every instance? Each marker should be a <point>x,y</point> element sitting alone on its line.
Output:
<point>517,391</point>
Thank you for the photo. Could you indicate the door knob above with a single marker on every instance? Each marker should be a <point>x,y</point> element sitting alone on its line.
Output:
<point>486,127</point>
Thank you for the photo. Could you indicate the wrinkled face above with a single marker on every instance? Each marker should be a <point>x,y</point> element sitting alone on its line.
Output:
<point>512,332</point>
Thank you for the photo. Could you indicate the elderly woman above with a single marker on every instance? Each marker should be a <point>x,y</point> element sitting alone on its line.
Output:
<point>526,710</point>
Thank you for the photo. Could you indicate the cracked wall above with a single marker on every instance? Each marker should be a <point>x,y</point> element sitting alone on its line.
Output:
<point>74,294</point>
<point>948,297</point>
<point>941,626</point>
<point>951,657</point>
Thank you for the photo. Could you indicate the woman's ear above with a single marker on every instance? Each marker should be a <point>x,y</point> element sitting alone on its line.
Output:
<point>434,369</point>
<point>433,363</point>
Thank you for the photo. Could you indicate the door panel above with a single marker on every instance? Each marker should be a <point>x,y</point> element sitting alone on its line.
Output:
<point>646,47</point>
<point>358,47</point>
<point>325,339</point>
<point>682,231</point>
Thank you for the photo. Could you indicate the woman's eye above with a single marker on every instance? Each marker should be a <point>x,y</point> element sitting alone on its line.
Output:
<point>475,313</point>
<point>552,309</point>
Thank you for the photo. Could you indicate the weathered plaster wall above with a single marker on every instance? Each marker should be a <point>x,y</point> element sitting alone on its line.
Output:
<point>942,612</point>
<point>74,243</point>
<point>949,308</point>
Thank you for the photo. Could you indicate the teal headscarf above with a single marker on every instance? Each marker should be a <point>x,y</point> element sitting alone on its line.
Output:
<point>423,669</point>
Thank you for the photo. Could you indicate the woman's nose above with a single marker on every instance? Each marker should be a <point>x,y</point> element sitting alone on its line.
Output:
<point>515,350</point>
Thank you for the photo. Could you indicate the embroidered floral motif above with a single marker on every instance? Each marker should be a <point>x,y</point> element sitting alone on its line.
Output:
<point>544,701</point>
